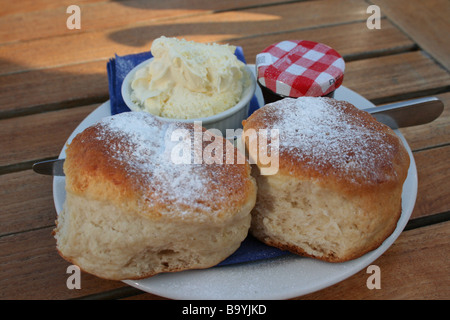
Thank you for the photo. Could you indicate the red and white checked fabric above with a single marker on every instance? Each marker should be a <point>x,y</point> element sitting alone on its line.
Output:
<point>297,68</point>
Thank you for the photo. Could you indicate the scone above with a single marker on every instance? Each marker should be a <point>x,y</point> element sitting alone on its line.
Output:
<point>337,192</point>
<point>138,204</point>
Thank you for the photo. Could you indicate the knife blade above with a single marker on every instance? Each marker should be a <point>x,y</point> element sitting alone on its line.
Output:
<point>408,113</point>
<point>395,115</point>
<point>50,167</point>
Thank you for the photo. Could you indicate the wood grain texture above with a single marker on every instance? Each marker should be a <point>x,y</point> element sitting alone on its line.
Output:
<point>426,22</point>
<point>27,202</point>
<point>96,45</point>
<point>27,6</point>
<point>50,21</point>
<point>38,136</point>
<point>65,85</point>
<point>396,77</point>
<point>413,268</point>
<point>30,268</point>
<point>351,40</point>
<point>53,88</point>
<point>433,169</point>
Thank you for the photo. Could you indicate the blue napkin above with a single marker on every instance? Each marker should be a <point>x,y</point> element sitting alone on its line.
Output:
<point>251,249</point>
<point>118,69</point>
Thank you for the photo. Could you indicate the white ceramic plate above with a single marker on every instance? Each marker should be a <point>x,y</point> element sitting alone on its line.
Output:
<point>279,278</point>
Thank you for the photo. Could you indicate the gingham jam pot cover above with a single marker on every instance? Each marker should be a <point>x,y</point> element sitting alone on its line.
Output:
<point>297,68</point>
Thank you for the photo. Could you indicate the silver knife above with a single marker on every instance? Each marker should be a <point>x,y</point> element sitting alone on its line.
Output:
<point>395,115</point>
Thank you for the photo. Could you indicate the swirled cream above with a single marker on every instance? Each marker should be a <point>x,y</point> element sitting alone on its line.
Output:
<point>188,80</point>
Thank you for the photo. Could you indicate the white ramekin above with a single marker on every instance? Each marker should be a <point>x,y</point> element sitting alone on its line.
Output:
<point>229,119</point>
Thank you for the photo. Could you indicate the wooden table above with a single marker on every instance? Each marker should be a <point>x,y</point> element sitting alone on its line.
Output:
<point>52,77</point>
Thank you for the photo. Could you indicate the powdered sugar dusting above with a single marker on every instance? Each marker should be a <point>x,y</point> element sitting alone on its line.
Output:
<point>324,137</point>
<point>143,146</point>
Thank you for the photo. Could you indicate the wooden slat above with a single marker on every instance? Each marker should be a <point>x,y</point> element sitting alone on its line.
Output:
<point>27,202</point>
<point>62,85</point>
<point>352,40</point>
<point>433,169</point>
<point>30,268</point>
<point>89,46</point>
<point>27,6</point>
<point>413,268</point>
<point>29,263</point>
<point>106,15</point>
<point>38,136</point>
<point>426,22</point>
<point>396,77</point>
<point>81,83</point>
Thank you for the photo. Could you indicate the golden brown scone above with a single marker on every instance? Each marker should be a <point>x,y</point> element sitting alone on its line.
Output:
<point>337,193</point>
<point>131,212</point>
